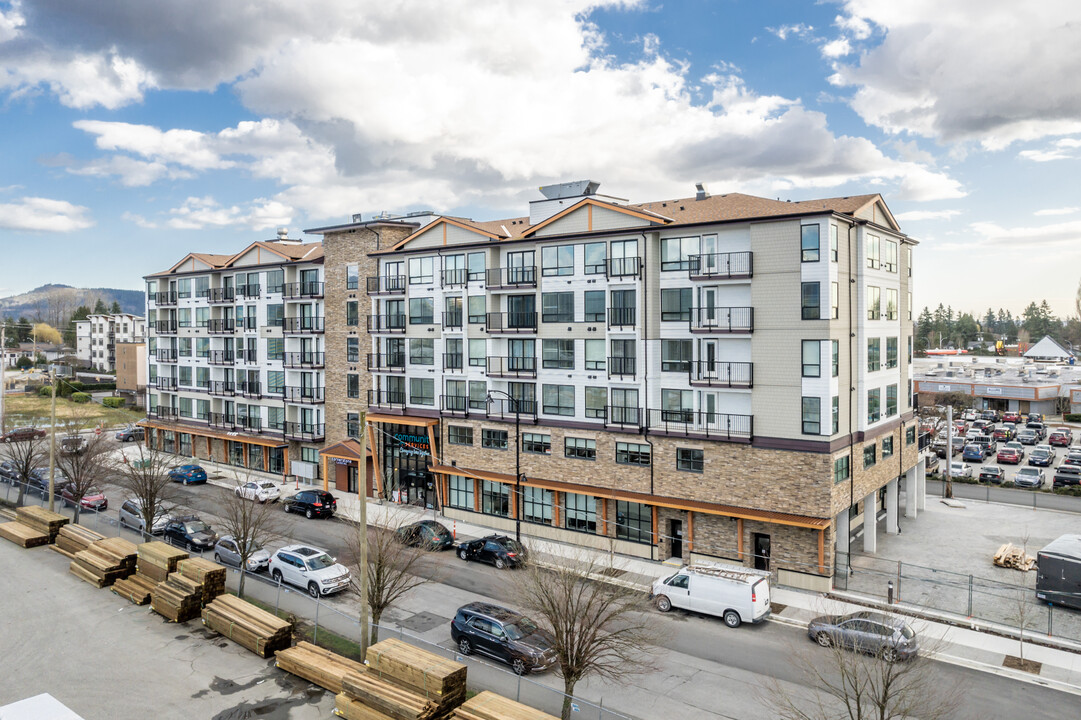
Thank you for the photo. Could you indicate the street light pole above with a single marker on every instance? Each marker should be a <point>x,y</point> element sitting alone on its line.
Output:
<point>517,462</point>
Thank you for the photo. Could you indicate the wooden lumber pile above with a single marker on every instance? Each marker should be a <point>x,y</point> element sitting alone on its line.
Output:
<point>257,630</point>
<point>433,677</point>
<point>1011,556</point>
<point>104,562</point>
<point>489,706</point>
<point>41,520</point>
<point>178,599</point>
<point>75,538</point>
<point>209,575</point>
<point>136,588</point>
<point>23,535</point>
<point>157,560</point>
<point>319,666</point>
<point>369,697</point>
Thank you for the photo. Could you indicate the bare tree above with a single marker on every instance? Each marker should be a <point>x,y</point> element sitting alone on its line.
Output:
<point>599,628</point>
<point>394,568</point>
<point>1023,608</point>
<point>145,476</point>
<point>85,460</point>
<point>252,524</point>
<point>26,455</point>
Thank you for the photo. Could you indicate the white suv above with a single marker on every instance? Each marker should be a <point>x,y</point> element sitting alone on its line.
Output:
<point>310,568</point>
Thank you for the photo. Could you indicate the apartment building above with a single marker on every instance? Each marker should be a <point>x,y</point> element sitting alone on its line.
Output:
<point>716,376</point>
<point>98,335</point>
<point>235,357</point>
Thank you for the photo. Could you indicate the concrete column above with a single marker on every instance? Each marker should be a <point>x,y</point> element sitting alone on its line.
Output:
<point>843,531</point>
<point>921,483</point>
<point>870,529</point>
<point>891,506</point>
<point>911,491</point>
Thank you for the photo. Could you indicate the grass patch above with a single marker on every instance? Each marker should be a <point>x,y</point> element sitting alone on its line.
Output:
<point>29,408</point>
<point>303,629</point>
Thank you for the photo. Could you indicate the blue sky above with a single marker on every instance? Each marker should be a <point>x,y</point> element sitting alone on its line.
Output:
<point>135,132</point>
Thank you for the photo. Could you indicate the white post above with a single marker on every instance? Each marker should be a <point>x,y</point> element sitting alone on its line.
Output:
<point>891,507</point>
<point>844,532</point>
<point>870,537</point>
<point>912,492</point>
<point>921,484</point>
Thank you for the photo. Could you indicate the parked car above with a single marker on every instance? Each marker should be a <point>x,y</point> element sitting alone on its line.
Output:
<point>1008,455</point>
<point>1066,475</point>
<point>93,499</point>
<point>1014,444</point>
<point>990,415</point>
<point>1011,417</point>
<point>188,474</point>
<point>311,503</point>
<point>38,482</point>
<point>987,444</point>
<point>931,465</point>
<point>1038,427</point>
<point>9,472</point>
<point>309,568</point>
<point>130,433</point>
<point>960,470</point>
<point>992,474</point>
<point>982,425</point>
<point>73,444</point>
<point>970,415</point>
<point>20,434</point>
<point>939,449</point>
<point>1029,477</point>
<point>1041,458</point>
<point>734,594</point>
<point>891,638</point>
<point>1034,417</point>
<point>227,552</point>
<point>1062,437</point>
<point>504,635</point>
<point>973,453</point>
<point>261,490</point>
<point>427,534</point>
<point>1005,432</point>
<point>131,515</point>
<point>498,550</point>
<point>190,533</point>
<point>1028,436</point>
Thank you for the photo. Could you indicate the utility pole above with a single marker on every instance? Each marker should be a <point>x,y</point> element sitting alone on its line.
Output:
<point>52,444</point>
<point>948,492</point>
<point>3,368</point>
<point>363,535</point>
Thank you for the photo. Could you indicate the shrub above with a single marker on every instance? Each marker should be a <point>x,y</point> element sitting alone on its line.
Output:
<point>45,392</point>
<point>24,363</point>
<point>1074,490</point>
<point>1007,483</point>
<point>113,402</point>
<point>1072,417</point>
<point>80,397</point>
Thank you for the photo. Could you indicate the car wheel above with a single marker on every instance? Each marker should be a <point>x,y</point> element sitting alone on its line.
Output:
<point>463,554</point>
<point>191,547</point>
<point>889,654</point>
<point>465,647</point>
<point>308,514</point>
<point>277,575</point>
<point>217,558</point>
<point>313,590</point>
<point>237,491</point>
<point>285,507</point>
<point>663,603</point>
<point>823,638</point>
<point>500,564</point>
<point>519,667</point>
<point>732,619</point>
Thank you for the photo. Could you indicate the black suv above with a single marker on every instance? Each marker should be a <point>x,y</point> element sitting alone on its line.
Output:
<point>38,482</point>
<point>498,550</point>
<point>504,635</point>
<point>312,503</point>
<point>426,534</point>
<point>190,533</point>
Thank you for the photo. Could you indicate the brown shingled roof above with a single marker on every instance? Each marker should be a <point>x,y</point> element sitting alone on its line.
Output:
<point>737,206</point>
<point>307,252</point>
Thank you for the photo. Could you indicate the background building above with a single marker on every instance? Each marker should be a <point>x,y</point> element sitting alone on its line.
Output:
<point>131,369</point>
<point>105,332</point>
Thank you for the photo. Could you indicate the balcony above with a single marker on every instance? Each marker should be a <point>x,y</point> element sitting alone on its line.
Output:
<point>247,323</point>
<point>221,357</point>
<point>386,362</point>
<point>386,285</point>
<point>221,421</point>
<point>455,277</point>
<point>453,362</point>
<point>226,326</point>
<point>452,319</point>
<point>721,266</point>
<point>711,373</point>
<point>247,357</point>
<point>722,320</point>
<point>165,327</point>
<point>249,388</point>
<point>302,290</point>
<point>303,360</point>
<point>514,367</point>
<point>308,325</point>
<point>222,387</point>
<point>386,399</point>
<point>622,366</point>
<point>622,416</point>
<point>511,277</point>
<point>386,323</point>
<point>454,405</point>
<point>251,290</point>
<point>511,322</point>
<point>504,408</point>
<point>165,298</point>
<point>709,425</point>
<point>163,413</point>
<point>305,431</point>
<point>166,356</point>
<point>250,423</point>
<point>625,267</point>
<point>621,317</point>
<point>221,295</point>
<point>166,383</point>
<point>305,395</point>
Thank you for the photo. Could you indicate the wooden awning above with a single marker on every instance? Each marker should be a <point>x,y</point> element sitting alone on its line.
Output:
<point>402,420</point>
<point>207,432</point>
<point>345,450</point>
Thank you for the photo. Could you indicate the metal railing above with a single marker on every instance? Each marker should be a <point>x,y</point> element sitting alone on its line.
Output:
<point>386,285</point>
<point>301,360</point>
<point>454,404</point>
<point>307,289</point>
<point>247,356</point>
<point>249,388</point>
<point>251,290</point>
<point>165,298</point>
<point>624,267</point>
<point>511,322</point>
<point>302,325</point>
<point>452,319</point>
<point>453,361</point>
<point>222,387</point>
<point>224,326</point>
<point>221,357</point>
<point>221,421</point>
<point>511,277</point>
<point>721,266</point>
<point>165,383</point>
<point>711,425</point>
<point>305,431</point>
<point>622,416</point>
<point>455,276</point>
<point>722,320</point>
<point>712,373</point>
<point>302,394</point>
<point>386,323</point>
<point>622,366</point>
<point>166,355</point>
<point>621,317</point>
<point>513,366</point>
<point>386,362</point>
<point>165,327</point>
<point>386,398</point>
<point>505,408</point>
<point>163,413</point>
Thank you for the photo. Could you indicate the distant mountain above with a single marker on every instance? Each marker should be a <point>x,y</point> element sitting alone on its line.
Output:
<point>50,302</point>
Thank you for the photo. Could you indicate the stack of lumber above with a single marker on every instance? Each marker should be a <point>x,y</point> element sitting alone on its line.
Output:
<point>257,630</point>
<point>23,535</point>
<point>104,562</point>
<point>157,560</point>
<point>369,697</point>
<point>1011,556</point>
<point>314,664</point>
<point>178,599</point>
<point>210,576</point>
<point>42,520</point>
<point>75,538</point>
<point>136,588</point>
<point>489,706</point>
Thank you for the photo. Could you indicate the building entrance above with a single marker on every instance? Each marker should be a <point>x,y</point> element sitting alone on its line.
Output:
<point>406,454</point>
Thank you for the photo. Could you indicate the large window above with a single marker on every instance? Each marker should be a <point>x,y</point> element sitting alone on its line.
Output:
<point>493,439</point>
<point>476,310</point>
<point>557,307</point>
<point>874,302</point>
<point>835,301</point>
<point>870,455</point>
<point>874,354</point>
<point>891,304</point>
<point>557,260</point>
<point>594,306</point>
<point>275,279</point>
<point>833,243</point>
<point>910,435</point>
<point>835,357</point>
<point>352,350</point>
<point>891,352</point>
<point>537,443</point>
<point>459,435</point>
<point>422,391</point>
<point>422,351</point>
<point>676,252</point>
<point>634,521</point>
<point>812,416</point>
<point>595,358</point>
<point>596,402</point>
<point>889,255</point>
<point>475,265</point>
<point>690,459</point>
<point>352,385</point>
<point>558,354</point>
<point>836,414</point>
<point>580,448</point>
<point>494,498</point>
<point>874,247</point>
<point>874,402</point>
<point>460,493</point>
<point>558,399</point>
<point>887,447</point>
<point>632,454</point>
<point>421,311</point>
<point>352,277</point>
<point>891,401</point>
<point>580,512</point>
<point>596,258</point>
<point>676,304</point>
<point>812,358</point>
<point>841,469</point>
<point>421,270</point>
<point>275,382</point>
<point>275,348</point>
<point>676,355</point>
<point>810,301</point>
<point>478,351</point>
<point>677,406</point>
<point>352,316</point>
<point>537,505</point>
<point>809,243</point>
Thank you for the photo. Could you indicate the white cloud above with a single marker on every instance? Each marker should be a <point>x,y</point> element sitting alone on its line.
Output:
<point>1030,237</point>
<point>200,212</point>
<point>796,30</point>
<point>859,28</point>
<point>917,215</point>
<point>1059,150</point>
<point>139,220</point>
<point>1056,211</point>
<point>837,48</point>
<point>37,214</point>
<point>10,23</point>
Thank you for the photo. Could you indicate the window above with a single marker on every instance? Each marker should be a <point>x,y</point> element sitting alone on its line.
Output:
<point>677,406</point>
<point>475,306</point>
<point>624,259</point>
<point>873,247</point>
<point>676,355</point>
<point>274,281</point>
<point>580,512</point>
<point>184,375</point>
<point>352,277</point>
<point>421,270</point>
<point>891,304</point>
<point>352,316</point>
<point>634,521</point>
<point>874,354</point>
<point>460,493</point>
<point>891,400</point>
<point>421,311</point>
<point>809,243</point>
<point>836,414</point>
<point>889,260</point>
<point>676,252</point>
<point>887,447</point>
<point>833,243</point>
<point>202,409</point>
<point>689,459</point>
<point>275,348</point>
<point>459,435</point>
<point>594,306</point>
<point>537,443</point>
<point>422,391</point>
<point>812,416</point>
<point>870,455</point>
<point>812,358</point>
<point>202,287</point>
<point>910,435</point>
<point>596,258</point>
<point>183,317</point>
<point>810,301</point>
<point>835,357</point>
<point>352,349</point>
<point>558,399</point>
<point>580,448</point>
<point>632,454</point>
<point>184,407</point>
<point>623,357</point>
<point>537,505</point>
<point>595,355</point>
<point>275,382</point>
<point>891,352</point>
<point>835,303</point>
<point>525,394</point>
<point>183,288</point>
<point>475,265</point>
<point>452,313</point>
<point>874,399</point>
<point>676,304</point>
<point>558,354</point>
<point>841,469</point>
<point>422,351</point>
<point>596,402</point>
<point>494,498</point>
<point>493,439</point>
<point>557,260</point>
<point>478,351</point>
<point>352,385</point>
<point>908,308</point>
<point>557,307</point>
<point>308,454</point>
<point>874,302</point>
<point>623,308</point>
<point>478,395</point>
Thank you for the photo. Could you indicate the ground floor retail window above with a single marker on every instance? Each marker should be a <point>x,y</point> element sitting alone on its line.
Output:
<point>460,494</point>
<point>168,441</point>
<point>236,454</point>
<point>277,460</point>
<point>185,444</point>
<point>580,512</point>
<point>634,521</point>
<point>494,498</point>
<point>537,505</point>
<point>255,458</point>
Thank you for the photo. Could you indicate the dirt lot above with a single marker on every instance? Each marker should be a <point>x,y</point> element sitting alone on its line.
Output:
<point>31,408</point>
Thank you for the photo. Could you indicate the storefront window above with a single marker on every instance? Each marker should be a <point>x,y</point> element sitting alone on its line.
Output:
<point>634,521</point>
<point>494,498</point>
<point>537,505</point>
<point>580,512</point>
<point>277,460</point>
<point>461,492</point>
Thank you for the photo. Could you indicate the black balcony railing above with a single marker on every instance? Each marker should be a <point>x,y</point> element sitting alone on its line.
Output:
<point>224,326</point>
<point>247,356</point>
<point>722,320</point>
<point>713,373</point>
<point>513,366</point>
<point>621,317</point>
<point>222,387</point>
<point>164,413</point>
<point>386,323</point>
<point>386,362</point>
<point>309,289</point>
<point>452,319</point>
<point>298,360</point>
<point>625,267</point>
<point>250,388</point>
<point>511,277</point>
<point>716,426</point>
<point>622,416</point>
<point>511,322</point>
<point>455,276</point>
<point>251,290</point>
<point>221,295</point>
<point>452,361</point>
<point>386,398</point>
<point>223,421</point>
<point>165,327</point>
<point>304,431</point>
<point>247,323</point>
<point>165,298</point>
<point>166,356</point>
<point>303,394</point>
<point>250,423</point>
<point>221,357</point>
<point>454,404</point>
<point>501,407</point>
<point>622,366</point>
<point>386,285</point>
<point>302,325</point>
<point>721,266</point>
<point>166,383</point>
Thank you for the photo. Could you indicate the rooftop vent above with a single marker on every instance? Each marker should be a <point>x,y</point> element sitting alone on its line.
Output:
<point>701,192</point>
<point>357,217</point>
<point>283,233</point>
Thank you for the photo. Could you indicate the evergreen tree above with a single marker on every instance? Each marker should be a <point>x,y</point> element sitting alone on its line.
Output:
<point>23,329</point>
<point>100,308</point>
<point>115,308</point>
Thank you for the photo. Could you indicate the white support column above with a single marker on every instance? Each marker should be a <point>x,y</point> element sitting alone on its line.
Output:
<point>891,506</point>
<point>921,484</point>
<point>911,493</point>
<point>844,532</point>
<point>870,529</point>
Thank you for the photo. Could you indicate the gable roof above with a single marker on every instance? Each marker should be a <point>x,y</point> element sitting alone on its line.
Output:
<point>485,229</point>
<point>632,210</point>
<point>288,252</point>
<point>1048,347</point>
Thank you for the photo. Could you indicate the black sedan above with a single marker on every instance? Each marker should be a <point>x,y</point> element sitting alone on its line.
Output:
<point>427,534</point>
<point>498,550</point>
<point>9,472</point>
<point>190,533</point>
<point>992,474</point>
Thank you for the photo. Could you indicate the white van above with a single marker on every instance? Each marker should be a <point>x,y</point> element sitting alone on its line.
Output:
<point>731,592</point>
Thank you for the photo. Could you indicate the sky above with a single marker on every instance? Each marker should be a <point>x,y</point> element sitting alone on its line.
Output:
<point>133,132</point>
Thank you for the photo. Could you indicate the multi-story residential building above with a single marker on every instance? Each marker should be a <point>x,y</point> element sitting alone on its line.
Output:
<point>131,368</point>
<point>236,357</point>
<point>84,351</point>
<point>722,376</point>
<point>105,331</point>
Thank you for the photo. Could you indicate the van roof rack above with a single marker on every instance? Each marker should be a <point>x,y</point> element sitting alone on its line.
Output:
<point>732,572</point>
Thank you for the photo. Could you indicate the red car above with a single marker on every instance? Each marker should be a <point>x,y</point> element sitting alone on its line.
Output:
<point>1061,437</point>
<point>94,499</point>
<point>1011,417</point>
<point>1008,455</point>
<point>1004,433</point>
<point>20,434</point>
